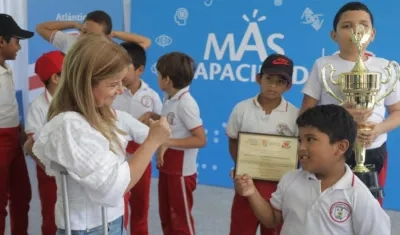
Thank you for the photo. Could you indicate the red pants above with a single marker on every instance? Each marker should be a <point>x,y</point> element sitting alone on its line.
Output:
<point>382,177</point>
<point>139,203</point>
<point>14,182</point>
<point>175,202</point>
<point>139,200</point>
<point>243,220</point>
<point>48,197</point>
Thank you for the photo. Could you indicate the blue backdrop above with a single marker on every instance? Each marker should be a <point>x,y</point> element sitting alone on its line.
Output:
<point>230,39</point>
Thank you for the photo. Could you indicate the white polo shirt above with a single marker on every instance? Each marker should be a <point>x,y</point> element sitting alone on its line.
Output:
<point>37,113</point>
<point>62,40</point>
<point>9,113</point>
<point>144,100</point>
<point>183,115</point>
<point>248,116</point>
<point>347,207</point>
<point>314,86</point>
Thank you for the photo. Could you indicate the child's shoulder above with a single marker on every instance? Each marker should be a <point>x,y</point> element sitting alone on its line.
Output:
<point>245,104</point>
<point>39,101</point>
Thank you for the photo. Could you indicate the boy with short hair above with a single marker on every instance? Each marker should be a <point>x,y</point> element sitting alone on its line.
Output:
<point>177,164</point>
<point>325,195</point>
<point>143,103</point>
<point>348,17</point>
<point>95,22</point>
<point>48,67</point>
<point>267,113</point>
<point>14,179</point>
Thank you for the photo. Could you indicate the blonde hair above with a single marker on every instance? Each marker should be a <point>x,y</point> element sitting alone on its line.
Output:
<point>93,58</point>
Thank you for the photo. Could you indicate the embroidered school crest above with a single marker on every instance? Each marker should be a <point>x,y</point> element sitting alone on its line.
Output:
<point>340,212</point>
<point>283,129</point>
<point>171,118</point>
<point>147,101</point>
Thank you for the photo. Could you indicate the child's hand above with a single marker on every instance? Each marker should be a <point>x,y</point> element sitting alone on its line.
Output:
<point>244,185</point>
<point>359,115</point>
<point>145,118</point>
<point>160,156</point>
<point>369,134</point>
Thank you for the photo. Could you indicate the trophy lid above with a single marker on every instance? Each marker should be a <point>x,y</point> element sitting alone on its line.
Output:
<point>360,36</point>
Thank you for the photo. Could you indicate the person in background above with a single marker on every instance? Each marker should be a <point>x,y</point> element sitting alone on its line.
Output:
<point>177,158</point>
<point>95,22</point>
<point>48,67</point>
<point>266,113</point>
<point>83,135</point>
<point>15,187</point>
<point>142,103</point>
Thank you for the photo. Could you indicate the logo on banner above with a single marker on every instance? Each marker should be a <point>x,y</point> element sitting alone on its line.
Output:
<point>163,40</point>
<point>311,18</point>
<point>70,17</point>
<point>223,60</point>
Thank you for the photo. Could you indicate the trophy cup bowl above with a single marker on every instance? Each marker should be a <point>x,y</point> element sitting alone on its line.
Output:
<point>360,89</point>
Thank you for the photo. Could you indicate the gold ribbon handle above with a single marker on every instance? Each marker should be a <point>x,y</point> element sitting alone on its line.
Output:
<point>324,80</point>
<point>395,66</point>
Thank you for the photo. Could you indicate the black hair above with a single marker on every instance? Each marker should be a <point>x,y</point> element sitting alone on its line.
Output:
<point>179,67</point>
<point>352,6</point>
<point>334,121</point>
<point>100,17</point>
<point>136,52</point>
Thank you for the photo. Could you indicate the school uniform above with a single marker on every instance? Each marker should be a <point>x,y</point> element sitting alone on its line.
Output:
<point>15,187</point>
<point>347,207</point>
<point>46,66</point>
<point>144,100</point>
<point>69,140</point>
<point>248,116</point>
<point>47,188</point>
<point>376,153</point>
<point>178,175</point>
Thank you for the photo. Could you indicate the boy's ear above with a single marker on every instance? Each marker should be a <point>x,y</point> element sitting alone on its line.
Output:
<point>333,36</point>
<point>140,70</point>
<point>342,147</point>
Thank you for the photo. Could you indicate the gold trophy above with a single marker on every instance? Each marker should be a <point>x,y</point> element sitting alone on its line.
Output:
<point>360,88</point>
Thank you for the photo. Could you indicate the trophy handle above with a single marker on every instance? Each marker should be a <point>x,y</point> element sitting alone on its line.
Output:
<point>392,88</point>
<point>327,88</point>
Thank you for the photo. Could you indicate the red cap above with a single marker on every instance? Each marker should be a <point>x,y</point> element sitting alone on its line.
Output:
<point>48,64</point>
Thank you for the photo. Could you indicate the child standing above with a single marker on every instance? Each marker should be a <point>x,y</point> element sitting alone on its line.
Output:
<point>325,196</point>
<point>267,113</point>
<point>142,103</point>
<point>48,67</point>
<point>347,18</point>
<point>177,165</point>
<point>14,180</point>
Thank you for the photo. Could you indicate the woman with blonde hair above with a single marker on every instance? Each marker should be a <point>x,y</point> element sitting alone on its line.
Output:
<point>82,135</point>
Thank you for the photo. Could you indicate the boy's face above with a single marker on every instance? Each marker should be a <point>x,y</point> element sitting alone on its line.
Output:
<point>9,49</point>
<point>130,76</point>
<point>272,85</point>
<point>348,21</point>
<point>163,83</point>
<point>91,27</point>
<point>316,153</point>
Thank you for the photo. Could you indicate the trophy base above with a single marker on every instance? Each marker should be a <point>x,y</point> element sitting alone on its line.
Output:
<point>361,168</point>
<point>370,179</point>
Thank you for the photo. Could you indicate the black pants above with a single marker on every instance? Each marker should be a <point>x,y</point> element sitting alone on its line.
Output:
<point>375,157</point>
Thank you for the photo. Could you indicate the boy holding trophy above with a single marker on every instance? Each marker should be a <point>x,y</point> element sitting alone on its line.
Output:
<point>364,91</point>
